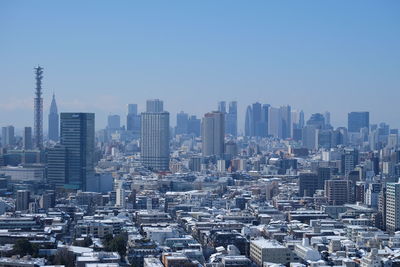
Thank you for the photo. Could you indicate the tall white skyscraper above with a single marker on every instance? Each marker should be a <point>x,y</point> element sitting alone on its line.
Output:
<point>213,134</point>
<point>392,207</point>
<point>155,136</point>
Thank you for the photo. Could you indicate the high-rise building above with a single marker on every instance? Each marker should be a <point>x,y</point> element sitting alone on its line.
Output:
<point>337,191</point>
<point>27,139</point>
<point>155,136</point>
<point>222,106</point>
<point>154,105</point>
<point>308,184</point>
<point>7,136</point>
<point>357,120</point>
<point>349,160</point>
<point>57,166</point>
<point>231,120</point>
<point>286,121</point>
<point>392,207</point>
<point>22,201</point>
<point>317,120</point>
<point>132,109</point>
<point>77,135</point>
<point>194,125</point>
<point>274,122</point>
<point>309,137</point>
<point>53,121</point>
<point>248,127</point>
<point>182,123</point>
<point>38,109</point>
<point>256,119</point>
<point>113,123</point>
<point>327,116</point>
<point>133,120</point>
<point>213,134</point>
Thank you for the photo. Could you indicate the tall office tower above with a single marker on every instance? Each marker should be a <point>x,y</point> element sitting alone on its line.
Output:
<point>53,121</point>
<point>231,121</point>
<point>222,106</point>
<point>392,207</point>
<point>317,120</point>
<point>113,123</point>
<point>286,117</point>
<point>77,135</point>
<point>357,120</point>
<point>182,123</point>
<point>324,138</point>
<point>57,166</point>
<point>265,120</point>
<point>7,136</point>
<point>248,127</point>
<point>194,125</point>
<point>38,110</point>
<point>309,137</point>
<point>23,198</point>
<point>28,138</point>
<point>336,191</point>
<point>133,120</point>
<point>301,119</point>
<point>132,109</point>
<point>213,134</point>
<point>349,160</point>
<point>274,122</point>
<point>155,136</point>
<point>256,119</point>
<point>154,105</point>
<point>327,117</point>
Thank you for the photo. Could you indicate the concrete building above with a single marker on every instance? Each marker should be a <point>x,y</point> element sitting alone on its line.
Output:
<point>155,136</point>
<point>213,134</point>
<point>263,250</point>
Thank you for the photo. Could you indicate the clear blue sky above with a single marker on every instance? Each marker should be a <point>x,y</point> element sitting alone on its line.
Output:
<point>99,56</point>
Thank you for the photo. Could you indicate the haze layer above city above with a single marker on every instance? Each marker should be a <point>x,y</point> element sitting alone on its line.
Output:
<point>316,56</point>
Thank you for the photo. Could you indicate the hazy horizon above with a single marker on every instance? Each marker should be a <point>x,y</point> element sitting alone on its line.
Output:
<point>316,56</point>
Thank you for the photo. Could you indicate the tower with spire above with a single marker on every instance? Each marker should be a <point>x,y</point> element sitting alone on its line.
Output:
<point>38,109</point>
<point>53,121</point>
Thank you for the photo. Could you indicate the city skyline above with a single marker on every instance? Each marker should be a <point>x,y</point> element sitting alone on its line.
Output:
<point>309,58</point>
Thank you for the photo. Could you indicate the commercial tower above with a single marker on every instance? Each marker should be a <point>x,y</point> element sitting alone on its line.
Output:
<point>77,136</point>
<point>357,120</point>
<point>155,136</point>
<point>38,109</point>
<point>231,119</point>
<point>213,134</point>
<point>182,123</point>
<point>8,136</point>
<point>133,120</point>
<point>27,140</point>
<point>392,207</point>
<point>53,121</point>
<point>257,120</point>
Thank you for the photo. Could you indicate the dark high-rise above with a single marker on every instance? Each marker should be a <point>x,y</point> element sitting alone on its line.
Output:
<point>27,139</point>
<point>53,121</point>
<point>231,119</point>
<point>38,109</point>
<point>77,136</point>
<point>182,123</point>
<point>194,125</point>
<point>357,120</point>
<point>133,120</point>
